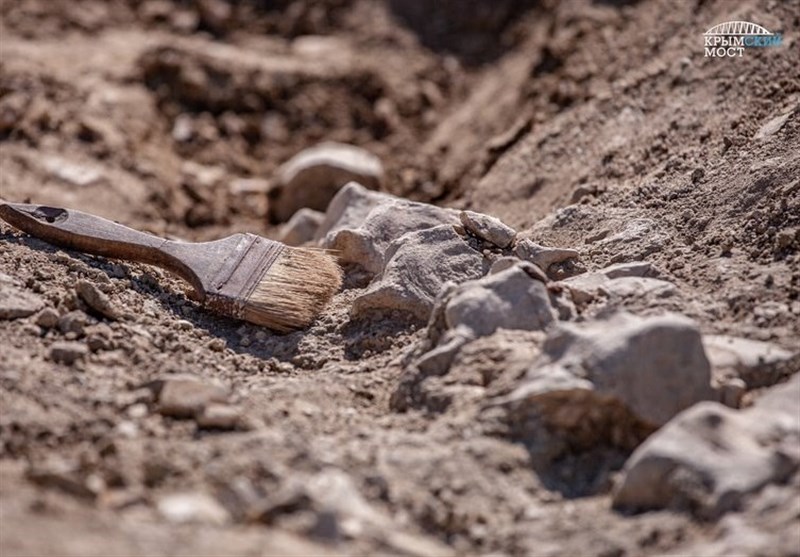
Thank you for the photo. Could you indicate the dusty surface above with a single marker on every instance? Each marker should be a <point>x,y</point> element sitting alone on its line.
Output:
<point>593,126</point>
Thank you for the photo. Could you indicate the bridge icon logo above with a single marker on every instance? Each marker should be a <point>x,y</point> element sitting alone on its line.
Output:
<point>730,39</point>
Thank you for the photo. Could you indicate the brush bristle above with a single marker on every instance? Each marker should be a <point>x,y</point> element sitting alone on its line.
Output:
<point>294,290</point>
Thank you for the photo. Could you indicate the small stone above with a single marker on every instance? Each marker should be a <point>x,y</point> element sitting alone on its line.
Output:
<point>302,227</point>
<point>97,342</point>
<point>96,299</point>
<point>542,256</point>
<point>183,508</point>
<point>66,352</point>
<point>312,177</point>
<point>488,228</point>
<point>773,126</point>
<point>218,416</point>
<point>60,474</point>
<point>73,323</point>
<point>183,325</point>
<point>47,318</point>
<point>731,392</point>
<point>74,173</point>
<point>16,303</point>
<point>758,364</point>
<point>216,345</point>
<point>186,396</point>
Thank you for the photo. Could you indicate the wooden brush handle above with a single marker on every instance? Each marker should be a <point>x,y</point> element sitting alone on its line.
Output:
<point>95,235</point>
<point>82,232</point>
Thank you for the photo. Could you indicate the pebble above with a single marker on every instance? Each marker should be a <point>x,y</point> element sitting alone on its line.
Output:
<point>756,363</point>
<point>218,416</point>
<point>47,318</point>
<point>543,256</point>
<point>183,508</point>
<point>312,177</point>
<point>74,173</point>
<point>16,303</point>
<point>186,396</point>
<point>302,227</point>
<point>488,228</point>
<point>68,352</point>
<point>96,299</point>
<point>73,322</point>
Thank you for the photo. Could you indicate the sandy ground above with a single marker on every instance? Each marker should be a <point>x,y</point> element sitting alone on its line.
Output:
<point>596,126</point>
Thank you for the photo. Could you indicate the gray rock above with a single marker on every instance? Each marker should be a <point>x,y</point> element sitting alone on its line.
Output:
<point>312,177</point>
<point>182,508</point>
<point>630,269</point>
<point>488,228</point>
<point>361,224</point>
<point>74,173</point>
<point>302,227</point>
<point>758,364</point>
<point>16,303</point>
<point>625,280</point>
<point>510,299</point>
<point>218,416</point>
<point>47,318</point>
<point>655,367</point>
<point>73,322</point>
<point>543,256</point>
<point>418,265</point>
<point>68,352</point>
<point>185,396</point>
<point>710,457</point>
<point>96,299</point>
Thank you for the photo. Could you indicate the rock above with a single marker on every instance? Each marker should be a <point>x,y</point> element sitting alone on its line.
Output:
<point>96,299</point>
<point>758,364</point>
<point>645,234</point>
<point>710,457</point>
<point>625,280</point>
<point>438,360</point>
<point>218,416</point>
<point>488,228</point>
<point>63,475</point>
<point>73,322</point>
<point>312,177</point>
<point>654,366</point>
<point>47,318</point>
<point>74,173</point>
<point>418,264</point>
<point>16,303</point>
<point>630,269</point>
<point>360,224</point>
<point>302,227</point>
<point>773,126</point>
<point>510,299</point>
<point>182,508</point>
<point>68,352</point>
<point>185,396</point>
<point>542,256</point>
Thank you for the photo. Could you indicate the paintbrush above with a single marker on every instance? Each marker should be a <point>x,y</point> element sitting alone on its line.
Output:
<point>243,276</point>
